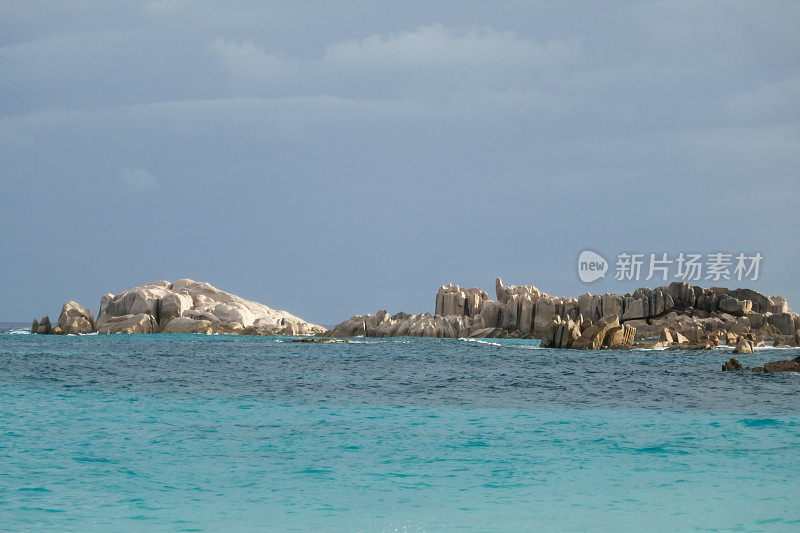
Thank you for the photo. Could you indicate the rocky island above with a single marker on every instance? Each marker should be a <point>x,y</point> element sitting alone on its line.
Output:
<point>679,316</point>
<point>675,317</point>
<point>185,306</point>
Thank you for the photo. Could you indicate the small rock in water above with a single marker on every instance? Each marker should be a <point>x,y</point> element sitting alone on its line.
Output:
<point>783,366</point>
<point>733,364</point>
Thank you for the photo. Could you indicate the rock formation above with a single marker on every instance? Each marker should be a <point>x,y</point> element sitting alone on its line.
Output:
<point>138,323</point>
<point>42,326</point>
<point>744,346</point>
<point>185,306</point>
<point>680,315</point>
<point>733,364</point>
<point>677,316</point>
<point>75,319</point>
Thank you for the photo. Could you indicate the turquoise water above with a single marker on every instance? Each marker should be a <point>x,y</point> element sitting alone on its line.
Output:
<point>183,432</point>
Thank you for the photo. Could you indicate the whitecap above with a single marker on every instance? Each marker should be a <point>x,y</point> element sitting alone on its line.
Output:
<point>480,341</point>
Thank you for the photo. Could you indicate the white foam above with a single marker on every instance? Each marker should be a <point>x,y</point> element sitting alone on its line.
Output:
<point>771,347</point>
<point>480,341</point>
<point>660,349</point>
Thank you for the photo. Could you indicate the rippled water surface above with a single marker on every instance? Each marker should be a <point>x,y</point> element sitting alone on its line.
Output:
<point>187,432</point>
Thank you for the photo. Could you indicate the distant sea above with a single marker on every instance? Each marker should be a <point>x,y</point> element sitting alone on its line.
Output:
<point>229,433</point>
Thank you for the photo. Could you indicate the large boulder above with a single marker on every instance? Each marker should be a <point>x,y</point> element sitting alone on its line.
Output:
<point>490,311</point>
<point>75,319</point>
<point>743,347</point>
<point>452,300</point>
<point>784,322</point>
<point>509,312</point>
<point>353,327</point>
<point>373,323</point>
<point>172,305</point>
<point>735,306</point>
<point>618,336</point>
<point>183,324</point>
<point>44,327</point>
<point>761,302</point>
<point>525,318</point>
<point>141,323</point>
<point>635,308</point>
<point>587,306</point>
<point>543,315</point>
<point>668,335</point>
<point>682,294</point>
<point>562,333</point>
<point>593,338</point>
<point>612,304</point>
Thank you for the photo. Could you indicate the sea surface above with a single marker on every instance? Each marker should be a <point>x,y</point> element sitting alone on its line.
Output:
<point>237,433</point>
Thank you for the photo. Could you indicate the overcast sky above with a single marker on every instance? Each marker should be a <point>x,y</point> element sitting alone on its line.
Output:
<point>334,158</point>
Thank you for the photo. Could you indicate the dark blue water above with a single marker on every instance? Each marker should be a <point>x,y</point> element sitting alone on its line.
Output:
<point>186,432</point>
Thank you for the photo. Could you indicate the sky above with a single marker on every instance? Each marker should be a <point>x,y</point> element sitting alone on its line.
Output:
<point>336,158</point>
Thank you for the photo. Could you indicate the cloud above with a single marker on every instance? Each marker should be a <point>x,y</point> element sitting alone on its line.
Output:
<point>137,180</point>
<point>248,62</point>
<point>423,62</point>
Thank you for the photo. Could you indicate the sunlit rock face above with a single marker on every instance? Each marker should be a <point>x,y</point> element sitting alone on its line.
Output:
<point>188,306</point>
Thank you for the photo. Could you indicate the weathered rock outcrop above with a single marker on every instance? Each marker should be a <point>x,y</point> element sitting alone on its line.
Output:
<point>381,324</point>
<point>561,333</point>
<point>129,323</point>
<point>174,306</point>
<point>607,332</point>
<point>185,306</point>
<point>452,300</point>
<point>682,316</point>
<point>75,319</point>
<point>42,327</point>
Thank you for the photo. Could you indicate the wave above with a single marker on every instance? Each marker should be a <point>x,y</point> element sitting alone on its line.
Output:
<point>775,348</point>
<point>480,341</point>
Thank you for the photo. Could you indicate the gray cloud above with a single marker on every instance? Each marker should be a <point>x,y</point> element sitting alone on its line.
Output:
<point>431,58</point>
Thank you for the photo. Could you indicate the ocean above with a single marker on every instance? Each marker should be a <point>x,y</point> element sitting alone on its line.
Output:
<point>238,433</point>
